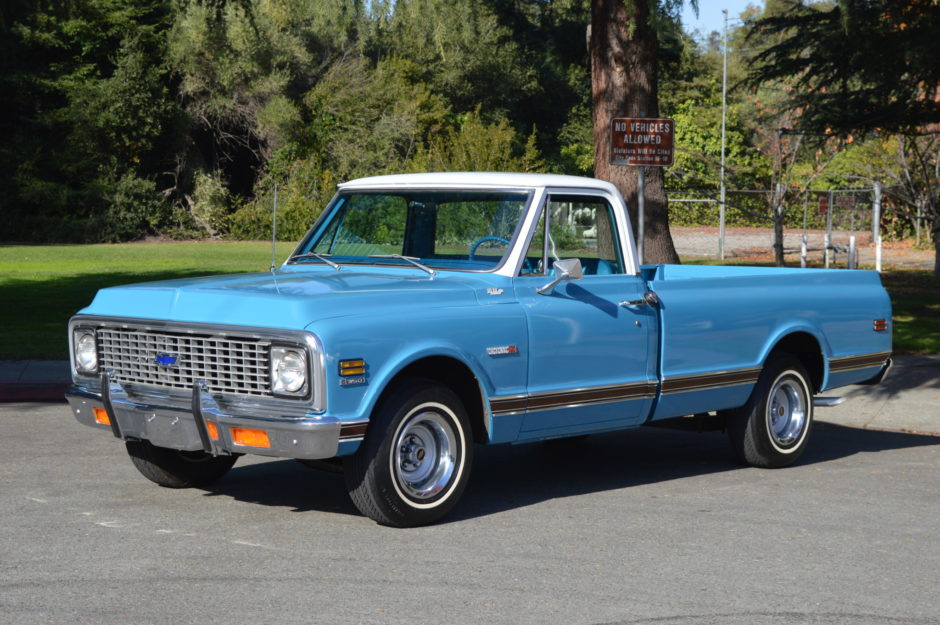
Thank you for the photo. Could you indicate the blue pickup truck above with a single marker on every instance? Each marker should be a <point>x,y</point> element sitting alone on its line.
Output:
<point>424,314</point>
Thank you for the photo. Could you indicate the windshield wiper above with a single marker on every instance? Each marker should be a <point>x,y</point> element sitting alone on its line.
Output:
<point>410,259</point>
<point>322,257</point>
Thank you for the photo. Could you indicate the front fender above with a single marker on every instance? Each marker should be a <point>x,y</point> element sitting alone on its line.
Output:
<point>399,339</point>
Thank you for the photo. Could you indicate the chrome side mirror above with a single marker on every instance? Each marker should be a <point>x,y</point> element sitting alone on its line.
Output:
<point>562,271</point>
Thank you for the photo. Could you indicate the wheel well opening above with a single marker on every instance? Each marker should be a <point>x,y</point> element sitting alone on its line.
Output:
<point>457,377</point>
<point>806,348</point>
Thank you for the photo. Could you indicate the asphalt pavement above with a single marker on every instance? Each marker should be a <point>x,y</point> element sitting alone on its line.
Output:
<point>647,526</point>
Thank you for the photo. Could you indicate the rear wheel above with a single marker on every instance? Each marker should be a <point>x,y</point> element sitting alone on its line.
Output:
<point>177,469</point>
<point>773,428</point>
<point>415,461</point>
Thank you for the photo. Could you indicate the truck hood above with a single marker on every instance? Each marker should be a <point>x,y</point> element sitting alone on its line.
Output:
<point>285,299</point>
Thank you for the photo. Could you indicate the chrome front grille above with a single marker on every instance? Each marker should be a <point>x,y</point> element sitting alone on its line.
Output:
<point>170,359</point>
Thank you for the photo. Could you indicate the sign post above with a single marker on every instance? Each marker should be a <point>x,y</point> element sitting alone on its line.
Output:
<point>641,213</point>
<point>641,142</point>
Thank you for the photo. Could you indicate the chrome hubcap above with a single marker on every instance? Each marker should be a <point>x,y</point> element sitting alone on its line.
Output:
<point>425,458</point>
<point>786,414</point>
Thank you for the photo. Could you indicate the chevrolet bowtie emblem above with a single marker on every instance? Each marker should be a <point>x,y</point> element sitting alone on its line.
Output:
<point>166,360</point>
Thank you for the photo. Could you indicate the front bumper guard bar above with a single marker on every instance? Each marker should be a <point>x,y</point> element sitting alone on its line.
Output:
<point>310,437</point>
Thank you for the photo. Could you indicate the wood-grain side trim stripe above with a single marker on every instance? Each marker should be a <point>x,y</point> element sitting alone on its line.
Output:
<point>709,381</point>
<point>352,431</point>
<point>502,406</point>
<point>860,361</point>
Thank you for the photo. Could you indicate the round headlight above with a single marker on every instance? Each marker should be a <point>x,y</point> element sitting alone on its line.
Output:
<point>289,370</point>
<point>86,352</point>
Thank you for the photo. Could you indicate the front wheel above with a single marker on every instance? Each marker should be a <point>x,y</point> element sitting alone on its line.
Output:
<point>772,429</point>
<point>177,469</point>
<point>414,463</point>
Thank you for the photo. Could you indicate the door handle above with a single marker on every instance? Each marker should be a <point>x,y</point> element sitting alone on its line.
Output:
<point>649,299</point>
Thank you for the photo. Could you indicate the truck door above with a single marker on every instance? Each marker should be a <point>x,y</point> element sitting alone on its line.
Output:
<point>592,349</point>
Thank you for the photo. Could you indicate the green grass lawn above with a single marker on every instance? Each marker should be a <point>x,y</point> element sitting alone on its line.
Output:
<point>915,296</point>
<point>42,286</point>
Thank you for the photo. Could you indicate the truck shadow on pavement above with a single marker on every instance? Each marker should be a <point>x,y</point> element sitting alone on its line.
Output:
<point>508,477</point>
<point>909,373</point>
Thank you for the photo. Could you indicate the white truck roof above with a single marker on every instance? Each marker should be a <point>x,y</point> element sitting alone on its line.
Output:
<point>477,179</point>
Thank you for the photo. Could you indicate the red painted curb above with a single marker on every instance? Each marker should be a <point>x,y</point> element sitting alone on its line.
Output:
<point>33,391</point>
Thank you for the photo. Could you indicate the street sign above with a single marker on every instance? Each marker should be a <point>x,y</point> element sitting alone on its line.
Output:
<point>641,141</point>
<point>845,200</point>
<point>823,204</point>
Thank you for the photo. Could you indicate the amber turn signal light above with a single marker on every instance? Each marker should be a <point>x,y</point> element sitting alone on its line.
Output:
<point>213,430</point>
<point>356,366</point>
<point>101,416</point>
<point>880,325</point>
<point>250,438</point>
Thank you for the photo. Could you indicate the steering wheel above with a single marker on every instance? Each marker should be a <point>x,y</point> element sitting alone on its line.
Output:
<point>481,241</point>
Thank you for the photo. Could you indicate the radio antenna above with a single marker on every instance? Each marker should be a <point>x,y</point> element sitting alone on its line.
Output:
<point>274,232</point>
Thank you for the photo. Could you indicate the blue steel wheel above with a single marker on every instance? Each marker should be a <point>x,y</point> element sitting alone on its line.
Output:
<point>773,428</point>
<point>415,461</point>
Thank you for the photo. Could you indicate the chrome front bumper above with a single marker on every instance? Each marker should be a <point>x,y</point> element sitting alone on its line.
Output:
<point>178,428</point>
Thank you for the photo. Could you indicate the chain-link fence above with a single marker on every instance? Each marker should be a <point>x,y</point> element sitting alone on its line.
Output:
<point>826,228</point>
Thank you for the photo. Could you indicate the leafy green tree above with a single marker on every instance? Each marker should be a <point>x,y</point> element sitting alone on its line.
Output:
<point>860,66</point>
<point>88,119</point>
<point>367,120</point>
<point>857,65</point>
<point>464,53</point>
<point>908,168</point>
<point>480,146</point>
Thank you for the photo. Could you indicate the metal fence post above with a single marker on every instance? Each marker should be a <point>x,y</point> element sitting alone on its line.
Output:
<point>876,225</point>
<point>853,253</point>
<point>804,244</point>
<point>724,110</point>
<point>918,218</point>
<point>828,238</point>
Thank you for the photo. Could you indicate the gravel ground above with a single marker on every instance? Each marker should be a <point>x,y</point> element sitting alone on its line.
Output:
<point>757,244</point>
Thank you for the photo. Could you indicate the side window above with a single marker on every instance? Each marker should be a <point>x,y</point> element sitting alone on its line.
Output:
<point>580,227</point>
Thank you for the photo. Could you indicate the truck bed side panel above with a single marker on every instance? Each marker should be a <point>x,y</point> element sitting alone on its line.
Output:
<point>719,324</point>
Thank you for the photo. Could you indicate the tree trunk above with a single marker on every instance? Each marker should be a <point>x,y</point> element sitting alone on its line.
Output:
<point>778,212</point>
<point>624,84</point>
<point>936,243</point>
<point>778,240</point>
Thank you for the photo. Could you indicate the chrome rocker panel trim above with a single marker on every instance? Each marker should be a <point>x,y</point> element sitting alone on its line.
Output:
<point>178,428</point>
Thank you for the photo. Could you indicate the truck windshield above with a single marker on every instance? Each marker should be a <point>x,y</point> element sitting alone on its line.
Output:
<point>464,230</point>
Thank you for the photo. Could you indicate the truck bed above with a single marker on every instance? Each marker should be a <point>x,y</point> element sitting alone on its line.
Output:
<point>718,325</point>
